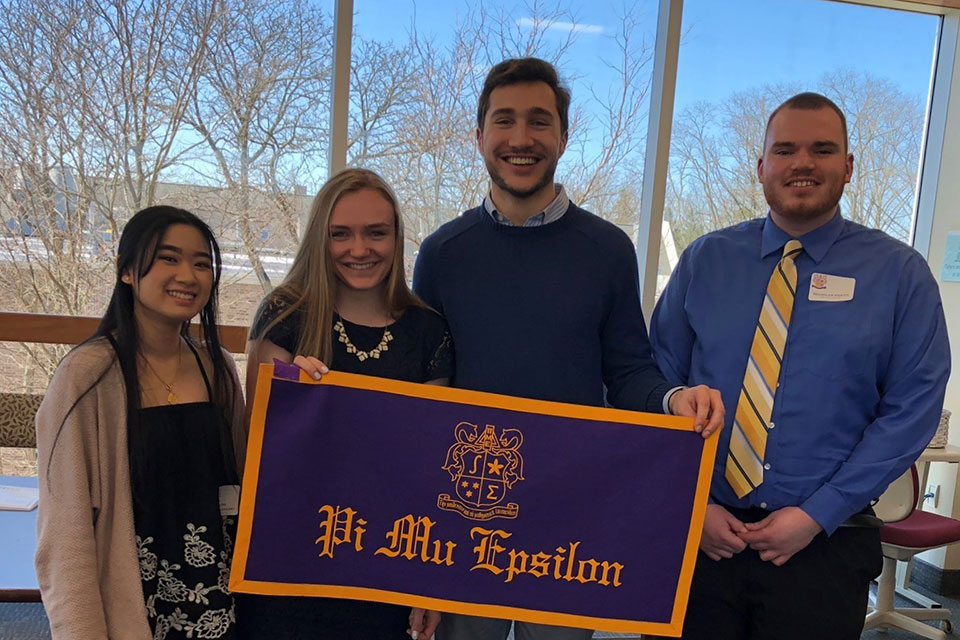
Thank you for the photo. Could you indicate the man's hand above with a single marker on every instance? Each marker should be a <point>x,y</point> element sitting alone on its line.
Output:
<point>423,623</point>
<point>721,533</point>
<point>781,534</point>
<point>701,403</point>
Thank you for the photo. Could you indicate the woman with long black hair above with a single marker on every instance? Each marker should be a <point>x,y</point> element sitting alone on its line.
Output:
<point>140,442</point>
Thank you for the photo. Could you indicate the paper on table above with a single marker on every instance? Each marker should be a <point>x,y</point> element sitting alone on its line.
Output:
<point>18,498</point>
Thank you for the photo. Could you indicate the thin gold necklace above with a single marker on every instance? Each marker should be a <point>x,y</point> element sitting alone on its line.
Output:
<point>363,355</point>
<point>171,396</point>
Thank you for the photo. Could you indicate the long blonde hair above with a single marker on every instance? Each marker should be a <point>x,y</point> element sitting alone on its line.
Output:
<point>311,285</point>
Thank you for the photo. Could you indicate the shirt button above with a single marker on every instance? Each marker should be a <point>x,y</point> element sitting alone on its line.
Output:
<point>763,505</point>
<point>767,466</point>
<point>772,425</point>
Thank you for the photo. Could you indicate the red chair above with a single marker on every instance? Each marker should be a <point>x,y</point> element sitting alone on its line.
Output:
<point>906,532</point>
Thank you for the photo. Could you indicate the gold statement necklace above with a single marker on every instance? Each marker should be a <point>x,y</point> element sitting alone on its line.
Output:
<point>363,355</point>
<point>171,395</point>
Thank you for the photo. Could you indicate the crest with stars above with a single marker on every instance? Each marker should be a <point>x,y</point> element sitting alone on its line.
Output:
<point>483,467</point>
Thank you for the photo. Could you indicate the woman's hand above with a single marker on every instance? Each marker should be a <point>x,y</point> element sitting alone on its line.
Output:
<point>312,366</point>
<point>423,623</point>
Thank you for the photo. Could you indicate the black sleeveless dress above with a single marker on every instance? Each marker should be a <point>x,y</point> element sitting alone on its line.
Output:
<point>184,544</point>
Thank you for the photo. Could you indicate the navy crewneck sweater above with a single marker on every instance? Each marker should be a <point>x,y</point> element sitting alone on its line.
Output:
<point>549,312</point>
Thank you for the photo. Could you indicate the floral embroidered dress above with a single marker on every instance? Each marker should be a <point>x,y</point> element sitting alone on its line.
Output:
<point>183,542</point>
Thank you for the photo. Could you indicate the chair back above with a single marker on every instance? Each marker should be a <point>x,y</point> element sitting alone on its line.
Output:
<point>900,498</point>
<point>17,411</point>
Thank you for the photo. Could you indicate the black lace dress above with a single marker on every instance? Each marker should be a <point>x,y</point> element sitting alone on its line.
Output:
<point>184,544</point>
<point>420,351</point>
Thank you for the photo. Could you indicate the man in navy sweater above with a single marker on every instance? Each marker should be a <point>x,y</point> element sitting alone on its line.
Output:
<point>542,296</point>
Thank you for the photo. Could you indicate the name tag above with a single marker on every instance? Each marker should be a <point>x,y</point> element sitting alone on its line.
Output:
<point>229,499</point>
<point>827,288</point>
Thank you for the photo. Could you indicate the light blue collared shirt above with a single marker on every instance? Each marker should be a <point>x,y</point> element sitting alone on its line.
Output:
<point>552,213</point>
<point>863,376</point>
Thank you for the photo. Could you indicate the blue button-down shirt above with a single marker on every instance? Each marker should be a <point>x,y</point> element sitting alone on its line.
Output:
<point>862,380</point>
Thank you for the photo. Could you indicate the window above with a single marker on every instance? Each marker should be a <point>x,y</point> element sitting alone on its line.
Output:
<point>738,60</point>
<point>416,78</point>
<point>218,108</point>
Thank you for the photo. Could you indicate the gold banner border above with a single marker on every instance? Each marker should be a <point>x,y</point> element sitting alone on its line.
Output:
<point>265,377</point>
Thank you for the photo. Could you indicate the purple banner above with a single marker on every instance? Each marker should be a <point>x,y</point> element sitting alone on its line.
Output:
<point>474,503</point>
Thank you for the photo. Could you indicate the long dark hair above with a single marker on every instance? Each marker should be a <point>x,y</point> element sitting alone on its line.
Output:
<point>136,253</point>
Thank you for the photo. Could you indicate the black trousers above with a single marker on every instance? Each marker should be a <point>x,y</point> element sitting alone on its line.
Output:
<point>821,592</point>
<point>302,618</point>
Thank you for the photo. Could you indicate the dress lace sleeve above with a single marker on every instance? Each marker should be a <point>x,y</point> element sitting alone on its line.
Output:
<point>285,333</point>
<point>441,362</point>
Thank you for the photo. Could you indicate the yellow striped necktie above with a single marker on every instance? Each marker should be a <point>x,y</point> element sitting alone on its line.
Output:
<point>748,438</point>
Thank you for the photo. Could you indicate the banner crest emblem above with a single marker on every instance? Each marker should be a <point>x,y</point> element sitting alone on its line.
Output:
<point>483,467</point>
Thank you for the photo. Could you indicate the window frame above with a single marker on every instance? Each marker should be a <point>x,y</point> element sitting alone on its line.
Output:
<point>942,122</point>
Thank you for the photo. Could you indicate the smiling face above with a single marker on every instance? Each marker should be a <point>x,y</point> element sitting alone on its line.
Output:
<point>521,142</point>
<point>363,239</point>
<point>179,281</point>
<point>804,168</point>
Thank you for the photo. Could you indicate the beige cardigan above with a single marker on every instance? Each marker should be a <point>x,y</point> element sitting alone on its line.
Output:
<point>86,561</point>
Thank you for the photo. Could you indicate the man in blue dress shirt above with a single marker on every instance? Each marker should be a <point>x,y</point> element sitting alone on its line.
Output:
<point>862,375</point>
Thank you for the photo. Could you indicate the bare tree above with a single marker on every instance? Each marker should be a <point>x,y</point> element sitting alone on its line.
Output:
<point>107,107</point>
<point>713,182</point>
<point>415,110</point>
<point>154,53</point>
<point>598,174</point>
<point>259,111</point>
<point>886,128</point>
<point>44,201</point>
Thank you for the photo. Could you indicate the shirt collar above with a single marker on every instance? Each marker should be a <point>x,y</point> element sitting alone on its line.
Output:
<point>553,212</point>
<point>816,243</point>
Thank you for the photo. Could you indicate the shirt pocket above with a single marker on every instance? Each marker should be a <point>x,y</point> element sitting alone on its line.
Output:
<point>831,340</point>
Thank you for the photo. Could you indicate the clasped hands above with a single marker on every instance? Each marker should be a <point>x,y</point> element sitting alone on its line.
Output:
<point>777,537</point>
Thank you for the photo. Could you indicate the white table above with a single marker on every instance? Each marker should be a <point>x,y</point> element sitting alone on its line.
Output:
<point>18,544</point>
<point>949,453</point>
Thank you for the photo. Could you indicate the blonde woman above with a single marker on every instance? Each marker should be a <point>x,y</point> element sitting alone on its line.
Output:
<point>345,305</point>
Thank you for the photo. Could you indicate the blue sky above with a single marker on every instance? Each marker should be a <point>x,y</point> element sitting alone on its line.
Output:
<point>728,45</point>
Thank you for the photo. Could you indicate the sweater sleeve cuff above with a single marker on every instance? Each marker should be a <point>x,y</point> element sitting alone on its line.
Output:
<point>668,395</point>
<point>828,508</point>
<point>656,398</point>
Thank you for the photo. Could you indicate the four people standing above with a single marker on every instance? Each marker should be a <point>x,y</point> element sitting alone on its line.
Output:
<point>822,350</point>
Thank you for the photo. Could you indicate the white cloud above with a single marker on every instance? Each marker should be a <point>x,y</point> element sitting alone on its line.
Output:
<point>560,26</point>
